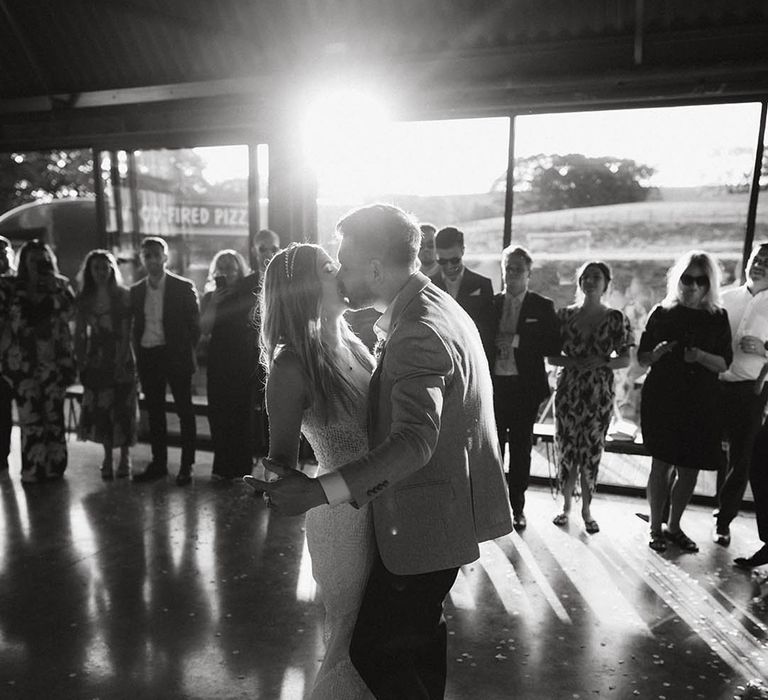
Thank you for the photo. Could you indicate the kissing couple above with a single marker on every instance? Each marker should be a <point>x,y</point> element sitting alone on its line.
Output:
<point>410,477</point>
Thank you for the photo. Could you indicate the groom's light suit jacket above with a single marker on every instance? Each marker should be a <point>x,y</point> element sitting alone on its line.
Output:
<point>433,474</point>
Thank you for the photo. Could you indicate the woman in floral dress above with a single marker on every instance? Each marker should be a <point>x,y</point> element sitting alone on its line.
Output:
<point>37,358</point>
<point>596,341</point>
<point>105,360</point>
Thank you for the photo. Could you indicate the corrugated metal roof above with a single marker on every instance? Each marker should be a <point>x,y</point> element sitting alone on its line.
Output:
<point>56,47</point>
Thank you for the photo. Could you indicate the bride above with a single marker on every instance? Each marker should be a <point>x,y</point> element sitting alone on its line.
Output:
<point>317,383</point>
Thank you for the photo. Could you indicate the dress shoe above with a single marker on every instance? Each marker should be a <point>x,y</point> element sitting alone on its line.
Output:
<point>721,535</point>
<point>123,468</point>
<point>152,473</point>
<point>184,476</point>
<point>759,558</point>
<point>519,522</point>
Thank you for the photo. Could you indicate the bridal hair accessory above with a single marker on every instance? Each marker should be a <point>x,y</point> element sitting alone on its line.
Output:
<point>289,258</point>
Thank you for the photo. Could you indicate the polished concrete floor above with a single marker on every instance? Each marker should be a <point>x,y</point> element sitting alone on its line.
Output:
<point>122,590</point>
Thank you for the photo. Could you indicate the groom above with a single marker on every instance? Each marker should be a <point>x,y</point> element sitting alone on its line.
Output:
<point>433,475</point>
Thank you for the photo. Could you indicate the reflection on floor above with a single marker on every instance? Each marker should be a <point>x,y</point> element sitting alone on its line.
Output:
<point>123,590</point>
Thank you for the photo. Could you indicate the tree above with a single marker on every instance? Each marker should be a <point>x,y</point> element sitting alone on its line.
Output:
<point>549,182</point>
<point>28,177</point>
<point>175,171</point>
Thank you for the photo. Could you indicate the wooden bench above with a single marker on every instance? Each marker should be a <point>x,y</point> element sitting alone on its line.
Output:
<point>73,400</point>
<point>546,433</point>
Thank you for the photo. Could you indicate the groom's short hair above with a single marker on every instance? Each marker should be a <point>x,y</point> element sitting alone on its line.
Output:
<point>385,232</point>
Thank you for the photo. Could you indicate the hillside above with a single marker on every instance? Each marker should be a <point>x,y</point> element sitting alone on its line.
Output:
<point>651,227</point>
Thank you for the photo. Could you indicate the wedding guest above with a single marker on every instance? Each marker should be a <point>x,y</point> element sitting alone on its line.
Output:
<point>166,328</point>
<point>758,480</point>
<point>226,318</point>
<point>472,291</point>
<point>686,343</point>
<point>7,271</point>
<point>427,250</point>
<point>747,308</point>
<point>105,360</point>
<point>595,341</point>
<point>262,247</point>
<point>527,330</point>
<point>37,358</point>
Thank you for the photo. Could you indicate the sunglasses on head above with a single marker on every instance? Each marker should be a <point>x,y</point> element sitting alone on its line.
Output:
<point>449,261</point>
<point>698,280</point>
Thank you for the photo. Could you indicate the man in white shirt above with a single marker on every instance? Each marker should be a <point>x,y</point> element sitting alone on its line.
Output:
<point>527,331</point>
<point>747,308</point>
<point>166,328</point>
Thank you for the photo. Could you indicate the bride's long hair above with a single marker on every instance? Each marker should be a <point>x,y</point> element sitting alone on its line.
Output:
<point>290,304</point>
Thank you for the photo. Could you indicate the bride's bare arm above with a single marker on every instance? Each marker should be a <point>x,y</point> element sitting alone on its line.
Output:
<point>286,397</point>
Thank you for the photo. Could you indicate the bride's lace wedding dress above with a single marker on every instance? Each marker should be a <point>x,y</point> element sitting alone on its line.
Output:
<point>341,543</point>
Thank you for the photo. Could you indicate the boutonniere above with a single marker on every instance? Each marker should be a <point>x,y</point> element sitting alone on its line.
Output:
<point>378,349</point>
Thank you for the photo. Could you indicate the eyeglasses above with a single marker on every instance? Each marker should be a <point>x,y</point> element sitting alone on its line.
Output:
<point>264,250</point>
<point>698,280</point>
<point>449,261</point>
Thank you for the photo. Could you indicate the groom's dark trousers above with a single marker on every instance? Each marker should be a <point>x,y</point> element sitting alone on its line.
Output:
<point>399,643</point>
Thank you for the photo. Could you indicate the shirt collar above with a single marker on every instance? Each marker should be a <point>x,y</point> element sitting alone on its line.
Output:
<point>455,282</point>
<point>517,298</point>
<point>383,325</point>
<point>160,284</point>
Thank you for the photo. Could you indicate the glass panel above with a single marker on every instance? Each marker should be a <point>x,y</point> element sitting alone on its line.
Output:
<point>635,188</point>
<point>50,195</point>
<point>449,173</point>
<point>195,198</point>
<point>761,220</point>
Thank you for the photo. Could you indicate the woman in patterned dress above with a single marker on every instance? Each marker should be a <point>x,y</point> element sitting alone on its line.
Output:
<point>37,358</point>
<point>317,384</point>
<point>595,341</point>
<point>686,343</point>
<point>105,360</point>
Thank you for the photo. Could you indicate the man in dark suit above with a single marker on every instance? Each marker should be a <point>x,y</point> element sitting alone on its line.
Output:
<point>527,330</point>
<point>433,477</point>
<point>473,291</point>
<point>166,328</point>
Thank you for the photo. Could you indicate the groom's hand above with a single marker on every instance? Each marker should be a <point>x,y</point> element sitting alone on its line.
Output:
<point>293,494</point>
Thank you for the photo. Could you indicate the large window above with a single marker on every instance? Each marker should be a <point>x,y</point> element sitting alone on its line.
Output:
<point>761,223</point>
<point>449,173</point>
<point>195,198</point>
<point>635,188</point>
